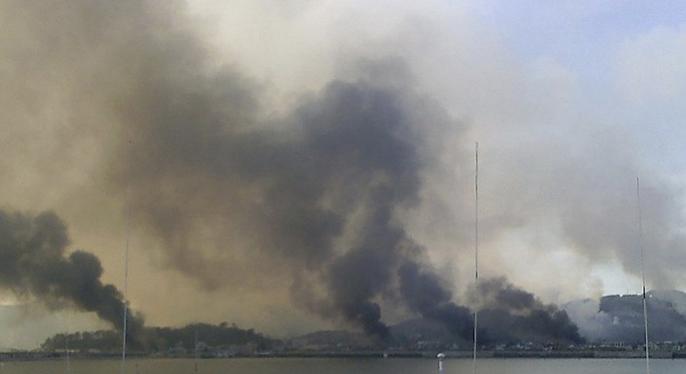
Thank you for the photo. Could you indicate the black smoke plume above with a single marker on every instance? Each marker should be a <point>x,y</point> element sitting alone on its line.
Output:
<point>232,189</point>
<point>352,156</point>
<point>34,262</point>
<point>314,192</point>
<point>510,314</point>
<point>426,295</point>
<point>318,189</point>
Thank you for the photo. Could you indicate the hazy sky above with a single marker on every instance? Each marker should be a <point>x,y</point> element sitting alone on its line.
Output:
<point>602,77</point>
<point>570,101</point>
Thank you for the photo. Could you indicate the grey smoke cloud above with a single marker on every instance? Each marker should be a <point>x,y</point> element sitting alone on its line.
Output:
<point>235,193</point>
<point>313,192</point>
<point>34,262</point>
<point>316,191</point>
<point>346,157</point>
<point>510,314</point>
<point>427,295</point>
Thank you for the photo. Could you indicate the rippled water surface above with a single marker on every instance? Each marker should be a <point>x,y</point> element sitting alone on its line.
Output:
<point>348,366</point>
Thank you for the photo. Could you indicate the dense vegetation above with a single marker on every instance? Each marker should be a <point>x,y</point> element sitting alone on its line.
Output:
<point>161,339</point>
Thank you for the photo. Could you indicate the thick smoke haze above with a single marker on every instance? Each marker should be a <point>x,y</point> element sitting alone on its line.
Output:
<point>34,262</point>
<point>427,296</point>
<point>340,184</point>
<point>510,314</point>
<point>317,190</point>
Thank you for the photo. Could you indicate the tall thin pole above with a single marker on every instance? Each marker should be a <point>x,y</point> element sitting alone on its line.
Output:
<point>476,248</point>
<point>195,352</point>
<point>643,274</point>
<point>126,269</point>
<point>67,358</point>
<point>66,350</point>
<point>126,305</point>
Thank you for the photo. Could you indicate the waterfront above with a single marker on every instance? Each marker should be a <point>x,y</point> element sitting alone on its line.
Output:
<point>345,366</point>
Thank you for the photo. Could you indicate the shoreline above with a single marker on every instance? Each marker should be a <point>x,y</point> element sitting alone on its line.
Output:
<point>451,355</point>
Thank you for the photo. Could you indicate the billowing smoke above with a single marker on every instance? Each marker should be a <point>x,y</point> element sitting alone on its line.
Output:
<point>34,263</point>
<point>314,192</point>
<point>234,190</point>
<point>510,314</point>
<point>341,164</point>
<point>317,189</point>
<point>426,295</point>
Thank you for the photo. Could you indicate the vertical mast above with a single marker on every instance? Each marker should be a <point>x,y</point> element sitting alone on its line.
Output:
<point>643,274</point>
<point>126,268</point>
<point>476,248</point>
<point>195,352</point>
<point>67,358</point>
<point>66,350</point>
<point>126,303</point>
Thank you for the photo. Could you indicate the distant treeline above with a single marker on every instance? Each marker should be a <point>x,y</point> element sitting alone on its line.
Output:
<point>161,339</point>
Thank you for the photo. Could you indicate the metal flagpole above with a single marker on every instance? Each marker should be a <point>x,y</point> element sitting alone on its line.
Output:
<point>126,270</point>
<point>643,274</point>
<point>476,249</point>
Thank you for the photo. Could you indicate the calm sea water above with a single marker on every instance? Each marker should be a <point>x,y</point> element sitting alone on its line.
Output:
<point>348,366</point>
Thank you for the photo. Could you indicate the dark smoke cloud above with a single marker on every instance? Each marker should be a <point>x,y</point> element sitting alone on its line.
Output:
<point>510,314</point>
<point>314,193</point>
<point>317,189</point>
<point>34,262</point>
<point>233,190</point>
<point>426,295</point>
<point>343,162</point>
